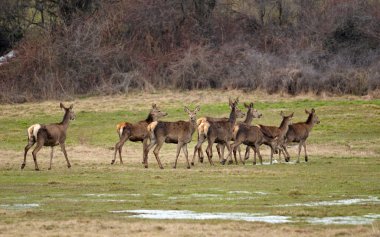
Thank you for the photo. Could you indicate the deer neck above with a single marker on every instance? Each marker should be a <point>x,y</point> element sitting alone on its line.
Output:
<point>284,127</point>
<point>150,118</point>
<point>192,125</point>
<point>232,118</point>
<point>309,122</point>
<point>66,120</point>
<point>249,118</point>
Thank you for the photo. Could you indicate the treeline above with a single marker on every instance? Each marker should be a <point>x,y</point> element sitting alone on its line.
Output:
<point>82,47</point>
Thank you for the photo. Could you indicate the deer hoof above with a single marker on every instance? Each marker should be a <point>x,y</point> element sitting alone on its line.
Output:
<point>49,168</point>
<point>230,162</point>
<point>306,159</point>
<point>223,162</point>
<point>246,158</point>
<point>112,162</point>
<point>201,159</point>
<point>146,166</point>
<point>37,169</point>
<point>22,166</point>
<point>188,167</point>
<point>287,159</point>
<point>192,163</point>
<point>174,167</point>
<point>161,167</point>
<point>254,163</point>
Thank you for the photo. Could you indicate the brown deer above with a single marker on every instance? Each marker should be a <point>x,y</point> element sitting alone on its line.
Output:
<point>253,137</point>
<point>136,132</point>
<point>278,132</point>
<point>204,125</point>
<point>179,132</point>
<point>49,135</point>
<point>250,115</point>
<point>221,132</point>
<point>299,132</point>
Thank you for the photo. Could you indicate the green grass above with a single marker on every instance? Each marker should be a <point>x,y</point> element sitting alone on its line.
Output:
<point>66,193</point>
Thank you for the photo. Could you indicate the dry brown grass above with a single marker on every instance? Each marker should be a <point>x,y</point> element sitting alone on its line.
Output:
<point>91,227</point>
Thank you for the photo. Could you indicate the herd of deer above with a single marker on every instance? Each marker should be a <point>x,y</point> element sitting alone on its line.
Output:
<point>222,131</point>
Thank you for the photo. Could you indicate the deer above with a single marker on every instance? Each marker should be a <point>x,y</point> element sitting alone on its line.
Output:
<point>299,132</point>
<point>250,115</point>
<point>204,125</point>
<point>220,131</point>
<point>179,132</point>
<point>278,133</point>
<point>136,132</point>
<point>49,135</point>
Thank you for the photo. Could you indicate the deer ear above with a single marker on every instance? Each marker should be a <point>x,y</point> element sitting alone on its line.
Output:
<point>291,115</point>
<point>230,101</point>
<point>313,110</point>
<point>197,109</point>
<point>61,105</point>
<point>237,100</point>
<point>251,105</point>
<point>71,106</point>
<point>306,111</point>
<point>154,106</point>
<point>246,105</point>
<point>186,109</point>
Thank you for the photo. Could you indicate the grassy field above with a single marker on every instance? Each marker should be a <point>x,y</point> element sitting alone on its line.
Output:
<point>337,193</point>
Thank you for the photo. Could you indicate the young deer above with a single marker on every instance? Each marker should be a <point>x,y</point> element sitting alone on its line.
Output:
<point>136,132</point>
<point>299,132</point>
<point>278,132</point>
<point>49,135</point>
<point>179,132</point>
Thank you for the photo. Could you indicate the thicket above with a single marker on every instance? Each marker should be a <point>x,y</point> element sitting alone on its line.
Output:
<point>80,47</point>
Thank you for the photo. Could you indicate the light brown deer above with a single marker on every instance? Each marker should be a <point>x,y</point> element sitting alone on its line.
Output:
<point>136,132</point>
<point>179,132</point>
<point>299,132</point>
<point>49,135</point>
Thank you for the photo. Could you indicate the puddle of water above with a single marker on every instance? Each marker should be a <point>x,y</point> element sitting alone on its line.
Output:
<point>239,192</point>
<point>111,195</point>
<point>251,217</point>
<point>344,220</point>
<point>19,206</point>
<point>370,199</point>
<point>190,215</point>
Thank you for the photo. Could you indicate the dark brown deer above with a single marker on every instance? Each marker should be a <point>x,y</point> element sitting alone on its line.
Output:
<point>136,132</point>
<point>179,132</point>
<point>299,132</point>
<point>221,132</point>
<point>49,135</point>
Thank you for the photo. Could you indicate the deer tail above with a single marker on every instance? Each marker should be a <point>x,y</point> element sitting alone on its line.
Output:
<point>32,131</point>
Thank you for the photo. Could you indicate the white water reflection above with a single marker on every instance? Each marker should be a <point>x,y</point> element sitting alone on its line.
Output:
<point>354,201</point>
<point>344,220</point>
<point>190,215</point>
<point>19,206</point>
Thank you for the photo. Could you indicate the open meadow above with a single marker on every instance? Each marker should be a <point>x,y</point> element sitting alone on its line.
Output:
<point>336,193</point>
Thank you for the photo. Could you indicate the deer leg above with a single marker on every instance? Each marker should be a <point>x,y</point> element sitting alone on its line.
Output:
<point>299,151</point>
<point>286,153</point>
<point>153,142</point>
<point>209,151</point>
<point>254,155</point>
<point>229,150</point>
<point>198,148</point>
<point>218,149</point>
<point>257,150</point>
<point>246,155</point>
<point>145,144</point>
<point>157,151</point>
<point>304,147</point>
<point>179,146</point>
<point>119,146</point>
<point>27,147</point>
<point>63,148</point>
<point>34,153</point>
<point>239,150</point>
<point>184,149</point>
<point>51,156</point>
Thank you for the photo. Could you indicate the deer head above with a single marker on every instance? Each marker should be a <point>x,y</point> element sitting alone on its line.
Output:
<point>157,113</point>
<point>192,114</point>
<point>68,111</point>
<point>286,120</point>
<point>251,111</point>
<point>313,118</point>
